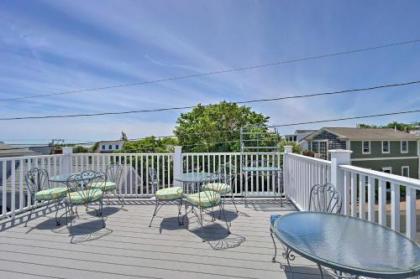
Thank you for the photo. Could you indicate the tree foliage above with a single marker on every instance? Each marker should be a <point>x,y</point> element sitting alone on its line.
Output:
<point>216,128</point>
<point>405,127</point>
<point>150,145</point>
<point>296,147</point>
<point>80,149</point>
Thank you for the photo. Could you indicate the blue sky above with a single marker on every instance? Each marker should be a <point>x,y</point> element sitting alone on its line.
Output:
<point>53,46</point>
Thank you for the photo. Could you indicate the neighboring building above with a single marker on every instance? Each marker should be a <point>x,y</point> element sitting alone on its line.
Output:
<point>386,150</point>
<point>7,150</point>
<point>299,137</point>
<point>110,146</point>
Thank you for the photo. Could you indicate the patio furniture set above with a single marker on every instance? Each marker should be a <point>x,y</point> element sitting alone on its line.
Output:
<point>84,188</point>
<point>341,246</point>
<point>200,193</point>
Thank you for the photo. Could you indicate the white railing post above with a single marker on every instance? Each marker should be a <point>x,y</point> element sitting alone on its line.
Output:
<point>286,175</point>
<point>67,160</point>
<point>340,157</point>
<point>178,164</point>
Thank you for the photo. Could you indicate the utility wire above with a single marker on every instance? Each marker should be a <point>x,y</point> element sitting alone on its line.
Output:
<point>346,118</point>
<point>288,125</point>
<point>345,91</point>
<point>216,72</point>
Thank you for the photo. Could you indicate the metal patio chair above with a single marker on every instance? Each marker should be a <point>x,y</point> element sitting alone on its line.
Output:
<point>110,183</point>
<point>323,198</point>
<point>227,177</point>
<point>81,193</point>
<point>164,195</point>
<point>40,190</point>
<point>204,201</point>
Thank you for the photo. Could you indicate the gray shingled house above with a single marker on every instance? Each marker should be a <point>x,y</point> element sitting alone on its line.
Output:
<point>385,150</point>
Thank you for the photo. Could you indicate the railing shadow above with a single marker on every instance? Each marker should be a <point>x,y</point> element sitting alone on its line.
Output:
<point>303,272</point>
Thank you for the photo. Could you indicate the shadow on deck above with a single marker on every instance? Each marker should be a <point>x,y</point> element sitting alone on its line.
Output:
<point>128,248</point>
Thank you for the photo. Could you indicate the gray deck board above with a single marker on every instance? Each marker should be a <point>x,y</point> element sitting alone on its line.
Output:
<point>128,248</point>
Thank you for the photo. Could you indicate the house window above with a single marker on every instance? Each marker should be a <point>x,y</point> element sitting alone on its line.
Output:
<point>405,171</point>
<point>110,147</point>
<point>103,147</point>
<point>366,147</point>
<point>386,147</point>
<point>117,146</point>
<point>404,146</point>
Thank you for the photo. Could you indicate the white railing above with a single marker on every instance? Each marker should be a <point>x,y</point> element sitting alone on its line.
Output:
<point>300,174</point>
<point>375,196</point>
<point>367,194</point>
<point>14,197</point>
<point>262,182</point>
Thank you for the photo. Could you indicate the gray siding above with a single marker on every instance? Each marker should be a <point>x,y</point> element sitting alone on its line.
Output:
<point>376,149</point>
<point>394,164</point>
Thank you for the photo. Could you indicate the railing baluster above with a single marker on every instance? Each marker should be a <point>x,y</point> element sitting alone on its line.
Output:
<point>362,196</point>
<point>353,194</point>
<point>371,199</point>
<point>382,203</point>
<point>395,206</point>
<point>410,199</point>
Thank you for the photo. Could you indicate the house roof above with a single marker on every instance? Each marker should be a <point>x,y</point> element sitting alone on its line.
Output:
<point>366,134</point>
<point>11,151</point>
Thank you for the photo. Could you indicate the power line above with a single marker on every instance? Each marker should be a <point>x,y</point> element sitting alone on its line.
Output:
<point>216,72</point>
<point>346,118</point>
<point>345,91</point>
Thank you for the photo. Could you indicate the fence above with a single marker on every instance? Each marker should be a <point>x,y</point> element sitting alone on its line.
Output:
<point>14,197</point>
<point>387,199</point>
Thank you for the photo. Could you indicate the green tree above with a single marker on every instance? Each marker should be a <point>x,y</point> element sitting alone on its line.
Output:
<point>80,149</point>
<point>296,147</point>
<point>216,128</point>
<point>150,145</point>
<point>405,127</point>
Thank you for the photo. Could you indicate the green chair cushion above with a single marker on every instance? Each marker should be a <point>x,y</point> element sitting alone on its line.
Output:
<point>51,194</point>
<point>86,196</point>
<point>107,186</point>
<point>218,187</point>
<point>204,199</point>
<point>171,193</point>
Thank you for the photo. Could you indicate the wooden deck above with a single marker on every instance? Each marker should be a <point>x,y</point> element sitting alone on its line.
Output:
<point>128,248</point>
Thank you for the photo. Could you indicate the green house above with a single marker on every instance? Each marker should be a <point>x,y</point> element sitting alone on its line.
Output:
<point>385,150</point>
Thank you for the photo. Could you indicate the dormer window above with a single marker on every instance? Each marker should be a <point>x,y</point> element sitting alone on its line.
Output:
<point>386,147</point>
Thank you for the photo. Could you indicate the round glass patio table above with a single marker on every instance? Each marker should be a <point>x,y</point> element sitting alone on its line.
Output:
<point>349,244</point>
<point>63,178</point>
<point>195,179</point>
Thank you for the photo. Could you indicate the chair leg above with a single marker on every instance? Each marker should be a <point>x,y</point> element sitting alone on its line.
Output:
<point>180,222</point>
<point>320,271</point>
<point>29,217</point>
<point>154,212</point>
<point>224,217</point>
<point>57,222</point>
<point>275,246</point>
<point>234,203</point>
<point>101,207</point>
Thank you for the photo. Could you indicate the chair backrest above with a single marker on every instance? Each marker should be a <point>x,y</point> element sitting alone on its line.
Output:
<point>325,198</point>
<point>36,180</point>
<point>113,173</point>
<point>153,179</point>
<point>80,182</point>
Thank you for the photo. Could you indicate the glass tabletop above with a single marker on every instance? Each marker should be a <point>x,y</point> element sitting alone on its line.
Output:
<point>349,244</point>
<point>63,178</point>
<point>197,177</point>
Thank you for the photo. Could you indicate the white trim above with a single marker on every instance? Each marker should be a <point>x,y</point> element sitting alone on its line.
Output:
<point>384,158</point>
<point>389,147</point>
<point>384,169</point>
<point>363,147</point>
<point>408,171</point>
<point>401,144</point>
